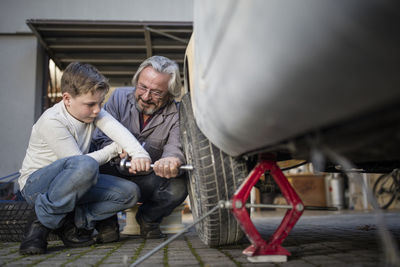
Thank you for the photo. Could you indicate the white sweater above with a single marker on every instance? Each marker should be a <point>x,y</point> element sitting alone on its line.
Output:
<point>58,135</point>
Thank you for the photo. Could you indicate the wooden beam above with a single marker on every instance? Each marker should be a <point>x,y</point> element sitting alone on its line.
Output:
<point>147,39</point>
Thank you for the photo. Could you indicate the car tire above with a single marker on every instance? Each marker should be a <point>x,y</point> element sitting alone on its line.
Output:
<point>215,177</point>
<point>14,216</point>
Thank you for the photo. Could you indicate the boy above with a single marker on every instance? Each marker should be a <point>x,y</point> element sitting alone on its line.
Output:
<point>61,179</point>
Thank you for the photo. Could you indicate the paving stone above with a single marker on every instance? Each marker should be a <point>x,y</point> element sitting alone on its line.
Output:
<point>317,240</point>
<point>252,264</point>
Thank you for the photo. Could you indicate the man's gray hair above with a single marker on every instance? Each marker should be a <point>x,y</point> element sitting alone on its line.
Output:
<point>163,65</point>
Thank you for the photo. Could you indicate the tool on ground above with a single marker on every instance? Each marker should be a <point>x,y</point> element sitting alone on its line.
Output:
<point>126,164</point>
<point>175,236</point>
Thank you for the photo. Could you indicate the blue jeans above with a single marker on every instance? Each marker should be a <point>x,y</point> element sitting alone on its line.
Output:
<point>160,196</point>
<point>74,184</point>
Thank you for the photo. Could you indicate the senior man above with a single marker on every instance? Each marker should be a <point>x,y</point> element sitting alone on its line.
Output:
<point>149,112</point>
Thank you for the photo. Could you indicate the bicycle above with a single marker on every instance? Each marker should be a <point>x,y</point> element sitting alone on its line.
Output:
<point>387,188</point>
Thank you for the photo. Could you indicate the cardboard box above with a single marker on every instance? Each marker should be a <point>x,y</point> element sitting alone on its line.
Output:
<point>310,188</point>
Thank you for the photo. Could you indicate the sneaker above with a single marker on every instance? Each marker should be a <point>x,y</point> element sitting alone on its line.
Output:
<point>108,230</point>
<point>149,230</point>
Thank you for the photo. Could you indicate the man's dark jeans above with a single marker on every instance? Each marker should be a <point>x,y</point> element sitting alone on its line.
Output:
<point>160,196</point>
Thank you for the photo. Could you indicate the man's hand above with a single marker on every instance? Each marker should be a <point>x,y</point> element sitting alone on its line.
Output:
<point>167,167</point>
<point>139,165</point>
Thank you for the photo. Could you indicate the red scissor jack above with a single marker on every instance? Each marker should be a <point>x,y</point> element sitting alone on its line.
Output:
<point>261,250</point>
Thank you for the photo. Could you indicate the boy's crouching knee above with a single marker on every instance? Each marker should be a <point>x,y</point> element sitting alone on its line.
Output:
<point>132,194</point>
<point>88,167</point>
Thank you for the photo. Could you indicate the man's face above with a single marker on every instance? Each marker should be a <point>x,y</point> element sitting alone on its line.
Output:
<point>151,90</point>
<point>84,108</point>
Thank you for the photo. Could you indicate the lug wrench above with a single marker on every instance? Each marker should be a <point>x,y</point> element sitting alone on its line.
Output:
<point>125,164</point>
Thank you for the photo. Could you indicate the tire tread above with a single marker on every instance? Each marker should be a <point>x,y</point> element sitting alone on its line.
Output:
<point>14,216</point>
<point>216,177</point>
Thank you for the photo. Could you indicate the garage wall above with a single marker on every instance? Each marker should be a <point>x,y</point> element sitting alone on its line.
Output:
<point>21,58</point>
<point>19,99</point>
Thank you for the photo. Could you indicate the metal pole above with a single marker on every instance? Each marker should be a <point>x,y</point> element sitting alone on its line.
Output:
<point>172,238</point>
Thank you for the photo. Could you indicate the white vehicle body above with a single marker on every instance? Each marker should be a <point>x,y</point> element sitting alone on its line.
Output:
<point>265,72</point>
<point>301,79</point>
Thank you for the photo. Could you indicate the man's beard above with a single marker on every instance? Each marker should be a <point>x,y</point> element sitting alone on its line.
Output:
<point>148,111</point>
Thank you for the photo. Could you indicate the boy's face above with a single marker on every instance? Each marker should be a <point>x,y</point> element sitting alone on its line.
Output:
<point>84,108</point>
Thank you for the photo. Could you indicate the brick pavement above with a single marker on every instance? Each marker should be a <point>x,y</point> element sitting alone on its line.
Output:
<point>334,239</point>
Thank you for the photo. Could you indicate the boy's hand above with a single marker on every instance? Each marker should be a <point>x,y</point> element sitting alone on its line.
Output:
<point>167,167</point>
<point>123,154</point>
<point>139,165</point>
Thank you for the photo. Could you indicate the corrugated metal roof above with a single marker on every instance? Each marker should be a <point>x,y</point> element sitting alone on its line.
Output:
<point>116,48</point>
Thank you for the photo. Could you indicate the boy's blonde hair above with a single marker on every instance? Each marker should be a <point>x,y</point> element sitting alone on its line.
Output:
<point>79,79</point>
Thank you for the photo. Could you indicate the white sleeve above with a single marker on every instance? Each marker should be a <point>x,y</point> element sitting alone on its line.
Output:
<point>63,144</point>
<point>119,134</point>
<point>105,154</point>
<point>59,139</point>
